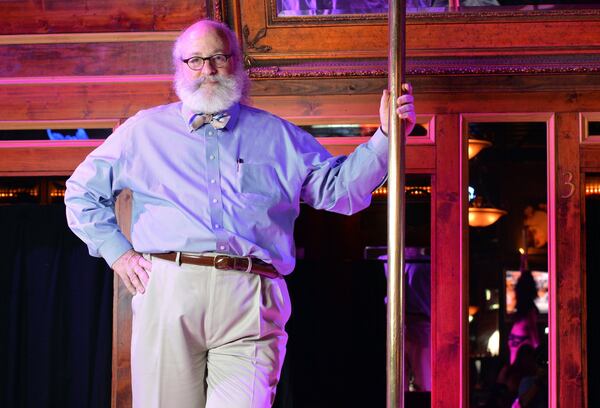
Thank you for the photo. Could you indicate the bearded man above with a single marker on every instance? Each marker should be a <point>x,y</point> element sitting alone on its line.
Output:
<point>216,189</point>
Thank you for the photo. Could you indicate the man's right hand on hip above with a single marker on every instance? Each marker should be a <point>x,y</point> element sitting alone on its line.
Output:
<point>133,269</point>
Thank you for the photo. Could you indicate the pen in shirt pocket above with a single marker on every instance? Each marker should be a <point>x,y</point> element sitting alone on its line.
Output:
<point>240,161</point>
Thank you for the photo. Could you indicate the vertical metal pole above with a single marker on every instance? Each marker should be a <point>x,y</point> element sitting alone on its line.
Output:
<point>396,203</point>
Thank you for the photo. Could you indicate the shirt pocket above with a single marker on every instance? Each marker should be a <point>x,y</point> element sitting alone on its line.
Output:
<point>258,183</point>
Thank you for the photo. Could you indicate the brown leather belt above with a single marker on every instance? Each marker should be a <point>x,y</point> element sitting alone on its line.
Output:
<point>224,262</point>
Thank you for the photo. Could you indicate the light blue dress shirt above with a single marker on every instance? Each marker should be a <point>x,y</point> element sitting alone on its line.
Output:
<point>236,190</point>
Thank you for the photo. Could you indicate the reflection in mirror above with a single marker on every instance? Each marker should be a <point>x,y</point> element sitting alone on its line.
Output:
<point>417,341</point>
<point>54,134</point>
<point>357,130</point>
<point>546,4</point>
<point>593,128</point>
<point>289,8</point>
<point>32,190</point>
<point>339,290</point>
<point>508,267</point>
<point>592,243</point>
<point>335,7</point>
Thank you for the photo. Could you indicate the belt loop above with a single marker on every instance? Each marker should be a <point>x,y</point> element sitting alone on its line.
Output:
<point>249,269</point>
<point>178,258</point>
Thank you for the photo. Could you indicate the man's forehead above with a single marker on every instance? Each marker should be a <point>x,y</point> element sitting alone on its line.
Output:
<point>205,36</point>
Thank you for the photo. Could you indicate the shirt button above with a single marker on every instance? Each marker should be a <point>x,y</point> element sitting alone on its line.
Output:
<point>222,247</point>
<point>212,157</point>
<point>214,200</point>
<point>210,132</point>
<point>213,181</point>
<point>217,226</point>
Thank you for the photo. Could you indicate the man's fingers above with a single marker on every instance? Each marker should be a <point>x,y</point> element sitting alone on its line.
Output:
<point>408,114</point>
<point>144,263</point>
<point>405,108</point>
<point>142,274</point>
<point>407,88</point>
<point>405,99</point>
<point>135,279</point>
<point>127,282</point>
<point>133,270</point>
<point>384,104</point>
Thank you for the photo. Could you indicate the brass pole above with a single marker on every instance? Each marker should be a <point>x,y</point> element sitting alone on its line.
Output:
<point>396,182</point>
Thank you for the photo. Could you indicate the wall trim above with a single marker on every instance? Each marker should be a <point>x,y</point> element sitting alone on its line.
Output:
<point>67,38</point>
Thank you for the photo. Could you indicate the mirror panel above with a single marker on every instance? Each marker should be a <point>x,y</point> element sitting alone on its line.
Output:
<point>508,262</point>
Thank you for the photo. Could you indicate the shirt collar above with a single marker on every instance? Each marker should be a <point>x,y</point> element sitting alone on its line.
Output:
<point>233,110</point>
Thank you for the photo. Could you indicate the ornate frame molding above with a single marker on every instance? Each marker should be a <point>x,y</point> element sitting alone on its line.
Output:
<point>252,44</point>
<point>486,65</point>
<point>528,13</point>
<point>219,11</point>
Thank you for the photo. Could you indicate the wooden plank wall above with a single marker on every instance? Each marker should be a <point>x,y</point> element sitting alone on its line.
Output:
<point>89,60</point>
<point>64,16</point>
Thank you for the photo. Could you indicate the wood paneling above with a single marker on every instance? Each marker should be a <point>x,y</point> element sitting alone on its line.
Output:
<point>64,16</point>
<point>569,301</point>
<point>121,354</point>
<point>449,288</point>
<point>433,103</point>
<point>590,158</point>
<point>67,100</point>
<point>57,159</point>
<point>109,58</point>
<point>117,97</point>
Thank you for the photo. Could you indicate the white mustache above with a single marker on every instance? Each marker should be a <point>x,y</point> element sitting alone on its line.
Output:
<point>209,79</point>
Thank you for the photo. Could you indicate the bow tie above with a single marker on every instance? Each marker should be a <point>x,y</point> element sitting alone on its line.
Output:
<point>217,120</point>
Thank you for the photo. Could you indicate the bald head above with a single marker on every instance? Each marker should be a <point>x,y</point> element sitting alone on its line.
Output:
<point>211,85</point>
<point>207,33</point>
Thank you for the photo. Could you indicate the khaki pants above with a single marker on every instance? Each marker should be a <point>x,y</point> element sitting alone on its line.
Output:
<point>203,337</point>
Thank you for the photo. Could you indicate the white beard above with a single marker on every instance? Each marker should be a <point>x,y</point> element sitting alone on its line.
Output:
<point>227,90</point>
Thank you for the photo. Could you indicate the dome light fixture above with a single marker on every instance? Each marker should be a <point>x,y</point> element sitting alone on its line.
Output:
<point>480,216</point>
<point>477,145</point>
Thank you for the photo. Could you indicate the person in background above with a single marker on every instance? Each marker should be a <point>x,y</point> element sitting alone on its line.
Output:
<point>524,329</point>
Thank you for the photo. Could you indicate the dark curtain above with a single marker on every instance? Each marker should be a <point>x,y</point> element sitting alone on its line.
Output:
<point>55,313</point>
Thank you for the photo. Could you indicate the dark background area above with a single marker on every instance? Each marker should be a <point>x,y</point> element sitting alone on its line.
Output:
<point>56,310</point>
<point>55,313</point>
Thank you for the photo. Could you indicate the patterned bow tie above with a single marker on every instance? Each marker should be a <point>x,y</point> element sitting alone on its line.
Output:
<point>217,120</point>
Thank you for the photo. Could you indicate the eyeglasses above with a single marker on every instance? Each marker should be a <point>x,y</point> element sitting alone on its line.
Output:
<point>197,63</point>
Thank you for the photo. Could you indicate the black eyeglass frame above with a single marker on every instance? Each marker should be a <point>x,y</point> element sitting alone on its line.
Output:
<point>204,59</point>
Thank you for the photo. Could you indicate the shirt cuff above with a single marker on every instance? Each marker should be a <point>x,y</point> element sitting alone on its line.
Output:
<point>379,143</point>
<point>113,249</point>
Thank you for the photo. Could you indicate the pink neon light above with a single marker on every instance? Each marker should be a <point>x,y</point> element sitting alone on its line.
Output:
<point>86,79</point>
